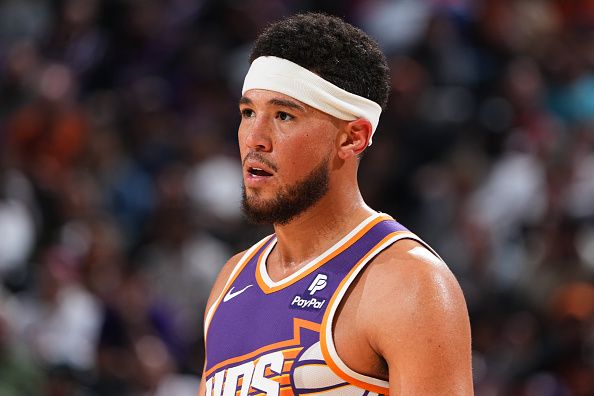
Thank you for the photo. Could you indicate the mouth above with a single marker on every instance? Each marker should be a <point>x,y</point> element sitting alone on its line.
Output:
<point>258,172</point>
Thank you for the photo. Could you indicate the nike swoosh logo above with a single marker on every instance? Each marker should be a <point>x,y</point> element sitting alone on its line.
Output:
<point>230,294</point>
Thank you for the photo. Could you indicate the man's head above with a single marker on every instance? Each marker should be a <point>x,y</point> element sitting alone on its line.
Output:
<point>331,48</point>
<point>311,101</point>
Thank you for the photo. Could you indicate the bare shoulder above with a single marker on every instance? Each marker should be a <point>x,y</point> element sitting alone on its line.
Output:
<point>424,330</point>
<point>410,271</point>
<point>408,268</point>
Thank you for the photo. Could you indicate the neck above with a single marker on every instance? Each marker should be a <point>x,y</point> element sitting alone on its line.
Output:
<point>317,229</point>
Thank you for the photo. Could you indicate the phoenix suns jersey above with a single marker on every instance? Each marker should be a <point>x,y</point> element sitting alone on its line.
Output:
<point>275,338</point>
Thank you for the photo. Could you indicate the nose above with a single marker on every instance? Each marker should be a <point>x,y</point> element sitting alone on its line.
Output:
<point>257,135</point>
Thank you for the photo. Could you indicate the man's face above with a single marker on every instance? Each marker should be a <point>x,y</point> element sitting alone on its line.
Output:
<point>286,149</point>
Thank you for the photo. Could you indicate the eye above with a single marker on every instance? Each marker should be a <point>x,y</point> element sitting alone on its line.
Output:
<point>247,113</point>
<point>284,116</point>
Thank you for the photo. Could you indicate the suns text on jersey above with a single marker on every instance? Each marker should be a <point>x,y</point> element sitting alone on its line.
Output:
<point>260,377</point>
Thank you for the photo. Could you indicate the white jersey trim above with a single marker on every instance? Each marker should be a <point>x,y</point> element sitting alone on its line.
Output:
<point>326,328</point>
<point>272,284</point>
<point>238,267</point>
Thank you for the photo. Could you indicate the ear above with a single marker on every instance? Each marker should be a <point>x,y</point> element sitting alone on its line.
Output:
<point>355,138</point>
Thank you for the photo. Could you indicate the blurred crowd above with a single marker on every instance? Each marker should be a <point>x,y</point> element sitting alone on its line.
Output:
<point>120,180</point>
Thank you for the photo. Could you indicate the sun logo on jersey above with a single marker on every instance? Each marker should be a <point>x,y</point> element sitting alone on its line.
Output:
<point>265,371</point>
<point>281,369</point>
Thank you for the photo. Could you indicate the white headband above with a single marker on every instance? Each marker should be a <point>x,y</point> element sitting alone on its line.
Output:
<point>281,75</point>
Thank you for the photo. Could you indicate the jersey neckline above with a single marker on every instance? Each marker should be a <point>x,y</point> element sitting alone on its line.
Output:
<point>269,286</point>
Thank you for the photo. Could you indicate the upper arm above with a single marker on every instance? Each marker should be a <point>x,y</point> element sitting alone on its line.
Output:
<point>424,335</point>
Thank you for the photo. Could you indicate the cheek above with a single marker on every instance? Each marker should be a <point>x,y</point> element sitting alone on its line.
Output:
<point>306,155</point>
<point>317,143</point>
<point>241,142</point>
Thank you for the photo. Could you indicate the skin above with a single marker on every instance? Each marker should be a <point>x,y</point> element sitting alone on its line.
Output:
<point>404,319</point>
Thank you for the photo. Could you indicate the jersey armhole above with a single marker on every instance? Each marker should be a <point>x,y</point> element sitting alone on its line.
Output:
<point>247,256</point>
<point>327,345</point>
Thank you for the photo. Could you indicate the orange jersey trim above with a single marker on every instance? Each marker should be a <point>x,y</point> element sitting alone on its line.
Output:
<point>235,273</point>
<point>268,289</point>
<point>283,391</point>
<point>325,322</point>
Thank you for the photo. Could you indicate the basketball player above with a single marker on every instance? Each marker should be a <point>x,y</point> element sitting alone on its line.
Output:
<point>341,299</point>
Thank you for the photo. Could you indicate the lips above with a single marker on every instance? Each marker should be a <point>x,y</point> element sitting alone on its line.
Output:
<point>256,165</point>
<point>257,174</point>
<point>256,171</point>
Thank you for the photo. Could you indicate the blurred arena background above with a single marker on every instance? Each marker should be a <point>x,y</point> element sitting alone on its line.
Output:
<point>120,180</point>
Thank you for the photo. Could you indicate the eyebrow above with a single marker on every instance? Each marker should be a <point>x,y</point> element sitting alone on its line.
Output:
<point>275,101</point>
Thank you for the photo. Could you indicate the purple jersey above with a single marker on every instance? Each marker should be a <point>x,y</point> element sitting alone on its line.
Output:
<point>275,338</point>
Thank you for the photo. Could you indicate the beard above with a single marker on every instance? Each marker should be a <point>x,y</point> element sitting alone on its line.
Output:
<point>291,201</point>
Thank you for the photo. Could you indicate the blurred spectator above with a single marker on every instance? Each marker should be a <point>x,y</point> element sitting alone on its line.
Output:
<point>20,373</point>
<point>17,222</point>
<point>136,341</point>
<point>61,322</point>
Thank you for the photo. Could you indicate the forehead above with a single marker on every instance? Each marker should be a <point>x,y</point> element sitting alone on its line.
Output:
<point>266,97</point>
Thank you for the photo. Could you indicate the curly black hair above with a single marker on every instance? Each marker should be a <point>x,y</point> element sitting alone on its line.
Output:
<point>330,47</point>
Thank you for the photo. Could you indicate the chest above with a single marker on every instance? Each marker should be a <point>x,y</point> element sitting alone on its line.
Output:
<point>274,333</point>
<point>254,314</point>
